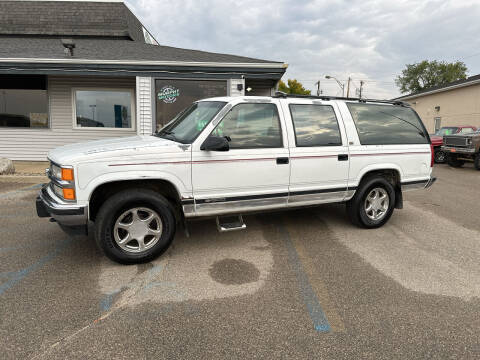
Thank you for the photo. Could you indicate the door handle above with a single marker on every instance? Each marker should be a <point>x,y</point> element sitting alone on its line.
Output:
<point>343,157</point>
<point>282,160</point>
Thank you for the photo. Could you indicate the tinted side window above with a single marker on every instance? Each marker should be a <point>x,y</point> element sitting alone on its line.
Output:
<point>251,126</point>
<point>387,124</point>
<point>315,125</point>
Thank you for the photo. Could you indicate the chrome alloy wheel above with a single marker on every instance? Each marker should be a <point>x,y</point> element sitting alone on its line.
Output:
<point>137,229</point>
<point>376,204</point>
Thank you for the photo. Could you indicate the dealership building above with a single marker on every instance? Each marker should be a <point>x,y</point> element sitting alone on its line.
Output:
<point>73,71</point>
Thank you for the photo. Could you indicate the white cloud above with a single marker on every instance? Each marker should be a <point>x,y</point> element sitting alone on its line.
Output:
<point>369,40</point>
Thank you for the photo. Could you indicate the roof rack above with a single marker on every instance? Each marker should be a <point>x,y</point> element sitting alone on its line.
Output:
<point>280,94</point>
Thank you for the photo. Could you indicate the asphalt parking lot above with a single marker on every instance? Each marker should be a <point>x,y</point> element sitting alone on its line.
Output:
<point>298,284</point>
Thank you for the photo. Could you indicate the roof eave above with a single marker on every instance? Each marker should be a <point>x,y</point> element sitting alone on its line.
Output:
<point>266,65</point>
<point>447,88</point>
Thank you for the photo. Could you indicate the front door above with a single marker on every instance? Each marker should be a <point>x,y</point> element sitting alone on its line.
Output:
<point>319,153</point>
<point>254,173</point>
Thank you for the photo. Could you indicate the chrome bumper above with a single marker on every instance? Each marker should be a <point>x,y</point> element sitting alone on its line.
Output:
<point>458,150</point>
<point>64,214</point>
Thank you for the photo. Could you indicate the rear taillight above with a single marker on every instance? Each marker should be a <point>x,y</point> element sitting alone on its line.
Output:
<point>433,155</point>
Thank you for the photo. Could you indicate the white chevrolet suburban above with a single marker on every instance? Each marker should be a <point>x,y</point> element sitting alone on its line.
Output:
<point>223,157</point>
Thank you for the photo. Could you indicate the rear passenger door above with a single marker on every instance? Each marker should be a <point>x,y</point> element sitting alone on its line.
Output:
<point>318,152</point>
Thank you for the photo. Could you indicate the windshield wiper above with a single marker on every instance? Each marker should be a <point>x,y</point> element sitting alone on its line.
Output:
<point>168,135</point>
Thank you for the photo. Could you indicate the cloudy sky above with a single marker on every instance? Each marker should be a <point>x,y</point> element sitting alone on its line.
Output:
<point>369,40</point>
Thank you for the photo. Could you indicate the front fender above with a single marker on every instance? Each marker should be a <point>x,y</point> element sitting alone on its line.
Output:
<point>182,188</point>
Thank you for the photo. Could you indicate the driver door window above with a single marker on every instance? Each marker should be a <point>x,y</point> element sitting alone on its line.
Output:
<point>251,126</point>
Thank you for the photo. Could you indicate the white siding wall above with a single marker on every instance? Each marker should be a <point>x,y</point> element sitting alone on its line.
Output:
<point>144,105</point>
<point>232,89</point>
<point>34,144</point>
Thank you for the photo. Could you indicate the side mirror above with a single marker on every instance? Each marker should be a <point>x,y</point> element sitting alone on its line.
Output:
<point>215,143</point>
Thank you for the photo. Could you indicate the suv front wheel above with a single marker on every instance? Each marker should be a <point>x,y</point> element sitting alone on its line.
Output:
<point>373,203</point>
<point>135,226</point>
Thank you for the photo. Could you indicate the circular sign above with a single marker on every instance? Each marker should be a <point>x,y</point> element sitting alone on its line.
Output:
<point>168,94</point>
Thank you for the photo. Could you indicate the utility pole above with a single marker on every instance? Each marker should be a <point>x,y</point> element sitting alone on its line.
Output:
<point>348,86</point>
<point>361,87</point>
<point>319,92</point>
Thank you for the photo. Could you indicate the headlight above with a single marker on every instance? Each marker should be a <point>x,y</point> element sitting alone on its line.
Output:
<point>469,141</point>
<point>62,182</point>
<point>56,171</point>
<point>59,173</point>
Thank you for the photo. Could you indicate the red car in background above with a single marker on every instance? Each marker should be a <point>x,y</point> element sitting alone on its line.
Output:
<point>437,139</point>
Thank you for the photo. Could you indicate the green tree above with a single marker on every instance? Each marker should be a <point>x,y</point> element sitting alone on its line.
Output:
<point>293,87</point>
<point>426,74</point>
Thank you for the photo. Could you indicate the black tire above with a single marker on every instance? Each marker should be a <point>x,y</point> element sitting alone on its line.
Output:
<point>120,203</point>
<point>476,163</point>
<point>454,162</point>
<point>440,157</point>
<point>356,206</point>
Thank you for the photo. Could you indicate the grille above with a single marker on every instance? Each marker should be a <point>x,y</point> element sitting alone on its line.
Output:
<point>456,141</point>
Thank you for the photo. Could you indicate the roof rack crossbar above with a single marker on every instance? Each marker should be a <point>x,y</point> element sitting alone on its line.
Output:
<point>280,94</point>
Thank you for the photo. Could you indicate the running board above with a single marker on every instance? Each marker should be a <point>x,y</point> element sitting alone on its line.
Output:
<point>230,223</point>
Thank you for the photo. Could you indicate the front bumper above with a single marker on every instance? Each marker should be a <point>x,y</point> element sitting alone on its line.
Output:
<point>64,213</point>
<point>458,150</point>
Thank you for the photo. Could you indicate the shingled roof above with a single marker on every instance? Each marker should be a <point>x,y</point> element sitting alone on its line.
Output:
<point>101,31</point>
<point>69,18</point>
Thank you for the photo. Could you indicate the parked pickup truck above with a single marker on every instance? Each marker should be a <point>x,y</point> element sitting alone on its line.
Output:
<point>461,148</point>
<point>226,156</point>
<point>437,139</point>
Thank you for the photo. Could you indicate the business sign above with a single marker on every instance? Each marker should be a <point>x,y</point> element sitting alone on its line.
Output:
<point>168,94</point>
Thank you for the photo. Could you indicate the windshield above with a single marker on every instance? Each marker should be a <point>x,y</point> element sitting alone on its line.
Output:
<point>189,123</point>
<point>446,131</point>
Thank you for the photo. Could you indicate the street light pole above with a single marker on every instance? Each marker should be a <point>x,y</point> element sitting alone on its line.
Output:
<point>319,92</point>
<point>342,86</point>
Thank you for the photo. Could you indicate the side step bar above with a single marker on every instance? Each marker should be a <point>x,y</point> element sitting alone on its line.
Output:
<point>230,223</point>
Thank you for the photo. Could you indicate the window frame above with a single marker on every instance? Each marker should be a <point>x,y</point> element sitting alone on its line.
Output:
<point>282,144</point>
<point>88,128</point>
<point>295,130</point>
<point>422,125</point>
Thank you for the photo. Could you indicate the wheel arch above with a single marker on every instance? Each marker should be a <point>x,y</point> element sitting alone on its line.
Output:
<point>106,189</point>
<point>392,174</point>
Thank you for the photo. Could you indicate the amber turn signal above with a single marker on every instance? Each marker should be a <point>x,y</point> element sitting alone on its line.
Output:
<point>69,194</point>
<point>67,174</point>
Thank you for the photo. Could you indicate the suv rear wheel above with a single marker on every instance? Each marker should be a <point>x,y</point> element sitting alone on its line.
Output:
<point>135,226</point>
<point>373,203</point>
<point>453,161</point>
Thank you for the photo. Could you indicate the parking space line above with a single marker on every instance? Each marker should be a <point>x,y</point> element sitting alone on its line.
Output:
<point>319,287</point>
<point>310,299</point>
<point>16,276</point>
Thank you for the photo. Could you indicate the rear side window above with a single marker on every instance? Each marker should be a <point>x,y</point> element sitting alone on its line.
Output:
<point>251,126</point>
<point>315,125</point>
<point>387,124</point>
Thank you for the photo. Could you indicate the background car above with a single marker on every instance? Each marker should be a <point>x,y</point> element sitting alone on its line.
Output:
<point>437,139</point>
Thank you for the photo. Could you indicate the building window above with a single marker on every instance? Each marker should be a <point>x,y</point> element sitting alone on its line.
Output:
<point>104,109</point>
<point>315,125</point>
<point>23,101</point>
<point>175,95</point>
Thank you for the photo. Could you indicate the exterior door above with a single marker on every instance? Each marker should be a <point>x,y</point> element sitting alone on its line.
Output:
<point>319,153</point>
<point>254,172</point>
